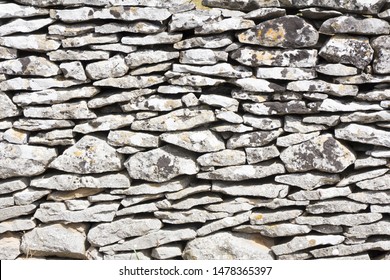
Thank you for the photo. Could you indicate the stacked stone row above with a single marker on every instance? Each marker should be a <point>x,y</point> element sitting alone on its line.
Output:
<point>151,129</point>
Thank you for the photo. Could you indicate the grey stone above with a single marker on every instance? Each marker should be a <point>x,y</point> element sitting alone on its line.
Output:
<point>161,164</point>
<point>13,185</point>
<point>106,99</point>
<point>195,81</point>
<point>220,69</point>
<point>161,67</point>
<point>29,195</point>
<point>228,246</point>
<point>138,255</point>
<point>84,55</point>
<point>202,56</point>
<point>320,194</point>
<point>41,124</point>
<point>250,189</point>
<point>192,189</point>
<point>255,155</point>
<point>352,25</point>
<point>73,70</point>
<point>111,68</point>
<point>268,217</point>
<point>24,26</point>
<point>380,208</point>
<point>73,110</point>
<point>61,196</point>
<point>71,29</point>
<point>369,161</point>
<point>37,83</point>
<point>336,69</point>
<point>189,216</point>
<point>321,86</point>
<point>11,10</point>
<point>363,134</point>
<point>77,204</point>
<point>22,224</point>
<point>167,251</point>
<point>137,139</point>
<point>308,180</point>
<point>273,203</point>
<point>382,54</point>
<point>361,117</point>
<point>225,157</point>
<point>160,38</point>
<point>152,103</point>
<point>322,119</point>
<point>322,153</point>
<point>169,89</point>
<point>319,13</point>
<point>361,176</point>
<point>132,200</point>
<point>104,197</point>
<point>374,95</point>
<point>209,42</point>
<point>294,124</point>
<point>9,246</point>
<point>295,256</point>
<point>364,231</point>
<point>334,206</point>
<point>228,24</point>
<point>29,65</point>
<point>117,47</point>
<point>253,139</point>
<point>236,128</point>
<point>263,123</point>
<point>328,229</point>
<point>8,53</point>
<point>341,219</point>
<point>66,241</point>
<point>7,107</point>
<point>371,197</point>
<point>219,101</point>
<point>285,73</point>
<point>258,85</point>
<point>295,138</point>
<point>136,209</point>
<point>56,211</point>
<point>228,116</point>
<point>131,81</point>
<point>363,78</point>
<point>104,123</point>
<point>89,155</point>
<point>6,201</point>
<point>265,13</point>
<point>133,14</point>
<point>35,42</point>
<point>332,105</point>
<point>16,211</point>
<point>376,184</point>
<point>15,136</point>
<point>136,27</point>
<point>230,206</point>
<point>189,202</point>
<point>192,19</point>
<point>277,108</point>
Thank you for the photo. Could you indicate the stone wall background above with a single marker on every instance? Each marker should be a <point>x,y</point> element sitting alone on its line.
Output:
<point>241,129</point>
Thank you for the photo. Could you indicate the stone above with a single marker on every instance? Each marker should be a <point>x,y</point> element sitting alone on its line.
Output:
<point>35,42</point>
<point>230,206</point>
<point>73,70</point>
<point>36,84</point>
<point>195,81</point>
<point>154,188</point>
<point>255,155</point>
<point>71,29</point>
<point>89,155</point>
<point>137,139</point>
<point>382,54</point>
<point>64,241</point>
<point>200,140</point>
<point>103,197</point>
<point>287,58</point>
<point>380,208</point>
<point>325,87</point>
<point>192,19</point>
<point>61,196</point>
<point>181,119</point>
<point>364,231</point>
<point>73,110</point>
<point>77,204</point>
<point>161,164</point>
<point>188,216</point>
<point>323,153</point>
<point>13,185</point>
<point>88,39</point>
<point>360,117</point>
<point>250,189</point>
<point>11,10</point>
<point>71,182</point>
<point>363,134</point>
<point>371,197</point>
<point>362,176</point>
<point>189,202</point>
<point>223,223</point>
<point>352,25</point>
<point>29,65</point>
<point>202,56</point>
<point>170,89</point>
<point>244,172</point>
<point>153,239</point>
<point>161,67</point>
<point>129,201</point>
<point>139,255</point>
<point>130,81</point>
<point>104,123</point>
<point>16,211</point>
<point>129,150</point>
<point>318,13</point>
<point>320,194</point>
<point>277,108</point>
<point>285,73</point>
<point>160,38</point>
<point>7,107</point>
<point>328,229</point>
<point>192,189</point>
<point>375,184</point>
<point>84,55</point>
<point>108,233</point>
<point>258,85</point>
<point>303,242</point>
<point>362,79</point>
<point>9,246</point>
<point>369,161</point>
<point>111,68</point>
<point>322,119</point>
<point>41,124</point>
<point>22,224</point>
<point>253,139</point>
<point>225,157</point>
<point>117,47</point>
<point>374,95</point>
<point>24,26</point>
<point>220,69</point>
<point>167,251</point>
<point>208,42</point>
<point>7,201</point>
<point>341,219</point>
<point>136,209</point>
<point>228,24</point>
<point>355,50</point>
<point>336,69</point>
<point>379,152</point>
<point>7,53</point>
<point>295,256</point>
<point>228,116</point>
<point>56,211</point>
<point>295,138</point>
<point>228,246</point>
<point>136,27</point>
<point>29,195</point>
<point>152,103</point>
<point>273,203</point>
<point>265,13</point>
<point>236,128</point>
<point>267,217</point>
<point>278,33</point>
<point>335,206</point>
<point>294,124</point>
<point>263,123</point>
<point>133,13</point>
<point>106,99</point>
<point>23,160</point>
<point>332,105</point>
<point>15,136</point>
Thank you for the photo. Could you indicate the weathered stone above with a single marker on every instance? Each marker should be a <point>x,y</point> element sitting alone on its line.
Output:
<point>309,180</point>
<point>7,53</point>
<point>369,161</point>
<point>265,13</point>
<point>106,99</point>
<point>267,217</point>
<point>236,128</point>
<point>132,200</point>
<point>117,47</point>
<point>29,65</point>
<point>380,208</point>
<point>334,206</point>
<point>192,19</point>
<point>61,196</point>
<point>131,81</point>
<point>189,216</point>
<point>328,229</point>
<point>153,239</point>
<point>349,50</point>
<point>29,195</point>
<point>74,110</point>
<point>24,26</point>
<point>322,119</point>
<point>299,243</point>
<point>181,119</point>
<point>160,38</point>
<point>364,231</point>
<point>129,150</point>
<point>6,201</point>
<point>278,33</point>
<point>138,255</point>
<point>253,139</point>
<point>295,138</point>
<point>230,206</point>
<point>220,69</point>
<point>225,157</point>
<point>57,211</point>
<point>104,197</point>
<point>361,176</point>
<point>294,124</point>
<point>273,203</point>
<point>223,223</point>
<point>111,68</point>
<point>16,211</point>
<point>228,24</point>
<point>136,209</point>
<point>320,194</point>
<point>12,10</point>
<point>9,245</point>
<point>285,73</point>
<point>322,153</point>
<point>37,83</point>
<point>363,134</point>
<point>138,139</point>
<point>255,155</point>
<point>295,256</point>
<point>167,251</point>
<point>36,42</point>
<point>371,197</point>
<point>376,184</point>
<point>88,39</point>
<point>258,85</point>
<point>40,124</point>
<point>379,152</point>
<point>61,55</point>
<point>177,89</point>
<point>277,108</point>
<point>161,67</point>
<point>13,185</point>
<point>152,103</point>
<point>66,241</point>
<point>250,189</point>
<point>77,204</point>
<point>289,58</point>
<point>336,69</point>
<point>208,42</point>
<point>362,79</point>
<point>7,107</point>
<point>73,70</point>
<point>227,246</point>
<point>382,54</point>
<point>228,116</point>
<point>199,188</point>
<point>15,136</point>
<point>374,95</point>
<point>107,122</point>
<point>331,105</point>
<point>195,81</point>
<point>22,224</point>
<point>162,164</point>
<point>360,117</point>
<point>342,219</point>
<point>202,56</point>
<point>352,25</point>
<point>71,29</point>
<point>133,13</point>
<point>263,123</point>
<point>321,86</point>
<point>189,202</point>
<point>318,13</point>
<point>89,155</point>
<point>136,27</point>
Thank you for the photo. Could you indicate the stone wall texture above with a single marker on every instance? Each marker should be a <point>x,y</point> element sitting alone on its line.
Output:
<point>179,129</point>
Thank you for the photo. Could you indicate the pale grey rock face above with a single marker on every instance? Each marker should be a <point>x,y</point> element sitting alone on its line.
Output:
<point>215,100</point>
<point>181,119</point>
<point>360,117</point>
<point>84,55</point>
<point>152,103</point>
<point>335,206</point>
<point>332,105</point>
<point>189,216</point>
<point>155,188</point>
<point>29,65</point>
<point>229,206</point>
<point>202,56</point>
<point>364,231</point>
<point>382,54</point>
<point>349,50</point>
<point>107,122</point>
<point>89,155</point>
<point>374,95</point>
<point>66,241</point>
<point>88,39</point>
<point>11,10</point>
<point>162,164</point>
<point>253,139</point>
<point>24,26</point>
<point>137,139</point>
<point>167,252</point>
<point>111,68</point>
<point>73,70</point>
<point>195,81</point>
<point>136,27</point>
<point>321,194</point>
<point>37,83</point>
<point>209,42</point>
<point>16,211</point>
<point>361,176</point>
<point>74,110</point>
<point>29,195</point>
<point>278,33</point>
<point>369,161</point>
<point>322,119</point>
<point>225,157</point>
<point>71,29</point>
<point>9,246</point>
<point>321,86</point>
<point>363,79</point>
<point>13,185</point>
<point>160,38</point>
<point>295,138</point>
<point>21,224</point>
<point>376,184</point>
<point>216,27</point>
<point>289,58</point>
<point>255,155</point>
<point>285,73</point>
<point>41,124</point>
<point>7,53</point>
<point>36,42</point>
<point>345,250</point>
<point>128,82</point>
<point>250,189</point>
<point>228,116</point>
<point>363,134</point>
<point>117,47</point>
<point>265,13</point>
<point>258,85</point>
<point>133,13</point>
<point>267,217</point>
<point>223,223</point>
<point>371,197</point>
<point>352,25</point>
<point>161,67</point>
<point>7,107</point>
<point>274,230</point>
<point>192,189</point>
<point>6,201</point>
<point>336,69</point>
<point>342,219</point>
<point>227,246</point>
<point>23,160</point>
<point>192,19</point>
<point>323,153</point>
<point>189,202</point>
<point>277,108</point>
<point>221,69</point>
<point>294,124</point>
<point>263,123</point>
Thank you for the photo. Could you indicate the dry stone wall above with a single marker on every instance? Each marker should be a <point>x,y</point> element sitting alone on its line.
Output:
<point>169,129</point>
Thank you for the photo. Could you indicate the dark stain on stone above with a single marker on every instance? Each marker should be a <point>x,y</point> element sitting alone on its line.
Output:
<point>95,123</point>
<point>90,13</point>
<point>299,56</point>
<point>115,13</point>
<point>330,146</point>
<point>25,61</point>
<point>164,167</point>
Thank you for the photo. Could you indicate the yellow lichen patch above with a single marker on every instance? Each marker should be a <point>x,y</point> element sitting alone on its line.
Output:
<point>312,242</point>
<point>199,5</point>
<point>18,135</point>
<point>275,35</point>
<point>92,148</point>
<point>258,217</point>
<point>78,153</point>
<point>264,56</point>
